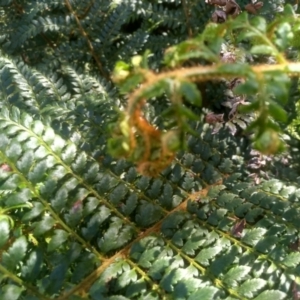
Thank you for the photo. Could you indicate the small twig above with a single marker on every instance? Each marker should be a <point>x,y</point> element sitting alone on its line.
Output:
<point>19,9</point>
<point>187,17</point>
<point>49,42</point>
<point>87,10</point>
<point>89,43</point>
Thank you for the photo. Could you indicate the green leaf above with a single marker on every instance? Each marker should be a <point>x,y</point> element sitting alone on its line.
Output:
<point>214,191</point>
<point>41,152</point>
<point>154,191</point>
<point>22,136</point>
<point>263,49</point>
<point>129,276</point>
<point>90,205</point>
<point>112,271</point>
<point>61,196</point>
<point>31,144</point>
<point>266,244</point>
<point>26,120</point>
<point>48,187</point>
<point>205,293</point>
<point>240,21</point>
<point>235,275</point>
<point>11,129</point>
<point>11,183</point>
<point>271,294</point>
<point>120,65</point>
<point>19,198</point>
<point>187,286</point>
<point>156,90</point>
<point>292,260</point>
<point>250,287</point>
<point>57,144</point>
<point>4,142</point>
<point>147,214</point>
<point>143,183</point>
<point>84,267</point>
<point>192,245</point>
<point>11,292</point>
<point>99,216</point>
<point>226,166</point>
<point>25,162</point>
<point>49,135</point>
<point>252,236</point>
<point>16,252</point>
<point>59,237</point>
<point>33,265</point>
<point>148,256</point>
<point>109,242</point>
<point>34,212</point>
<point>79,165</point>
<point>37,174</point>
<point>131,82</point>
<point>188,182</point>
<point>190,92</point>
<point>69,153</point>
<point>284,35</point>
<point>5,112</point>
<point>216,216</point>
<point>188,113</point>
<point>206,254</point>
<point>278,88</point>
<point>130,204</point>
<point>37,127</point>
<point>43,226</point>
<point>57,172</point>
<point>91,174</point>
<point>55,280</point>
<point>174,275</point>
<point>4,231</point>
<point>13,151</point>
<point>277,112</point>
<point>137,288</point>
<point>249,87</point>
<point>259,23</point>
<point>222,263</point>
<point>289,11</point>
<point>253,106</point>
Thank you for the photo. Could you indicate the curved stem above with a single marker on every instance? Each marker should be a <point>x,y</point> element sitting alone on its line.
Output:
<point>204,73</point>
<point>26,205</point>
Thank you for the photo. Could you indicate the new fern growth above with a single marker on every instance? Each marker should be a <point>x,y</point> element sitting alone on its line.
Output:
<point>270,84</point>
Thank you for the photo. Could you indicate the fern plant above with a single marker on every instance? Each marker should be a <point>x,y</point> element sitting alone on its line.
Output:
<point>218,221</point>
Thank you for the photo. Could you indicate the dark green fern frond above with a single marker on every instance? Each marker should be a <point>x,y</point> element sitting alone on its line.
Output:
<point>219,222</point>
